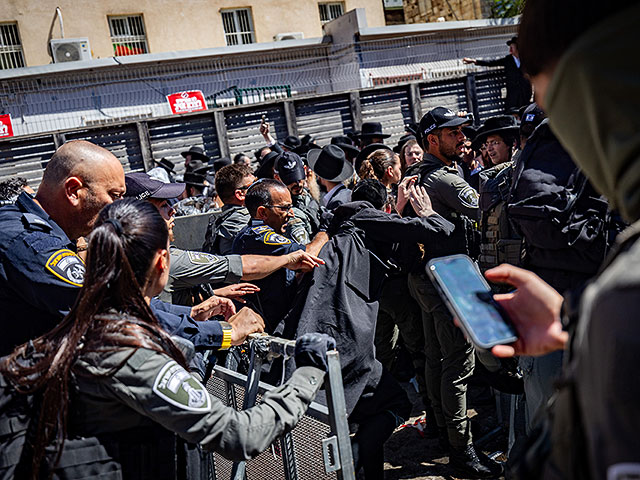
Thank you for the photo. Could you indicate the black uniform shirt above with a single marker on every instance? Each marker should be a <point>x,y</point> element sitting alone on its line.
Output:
<point>276,290</point>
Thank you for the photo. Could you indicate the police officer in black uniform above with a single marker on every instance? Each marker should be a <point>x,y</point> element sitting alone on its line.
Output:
<point>269,203</point>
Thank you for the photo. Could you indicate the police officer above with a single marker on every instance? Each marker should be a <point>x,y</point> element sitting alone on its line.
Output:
<point>191,270</point>
<point>449,355</point>
<point>269,203</point>
<point>136,394</point>
<point>231,184</point>
<point>304,225</point>
<point>41,274</point>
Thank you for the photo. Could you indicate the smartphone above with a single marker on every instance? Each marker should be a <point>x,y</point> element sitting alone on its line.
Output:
<point>469,297</point>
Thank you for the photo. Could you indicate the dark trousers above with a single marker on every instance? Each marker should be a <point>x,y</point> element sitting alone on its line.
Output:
<point>449,362</point>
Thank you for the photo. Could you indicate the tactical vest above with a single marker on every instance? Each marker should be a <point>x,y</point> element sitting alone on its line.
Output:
<point>499,243</point>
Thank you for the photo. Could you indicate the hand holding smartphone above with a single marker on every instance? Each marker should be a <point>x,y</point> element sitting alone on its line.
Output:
<point>470,299</point>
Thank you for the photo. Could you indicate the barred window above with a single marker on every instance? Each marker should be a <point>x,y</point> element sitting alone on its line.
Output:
<point>238,26</point>
<point>11,55</point>
<point>128,35</point>
<point>330,11</point>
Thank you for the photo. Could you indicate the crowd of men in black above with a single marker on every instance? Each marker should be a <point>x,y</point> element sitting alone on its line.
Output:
<point>335,239</point>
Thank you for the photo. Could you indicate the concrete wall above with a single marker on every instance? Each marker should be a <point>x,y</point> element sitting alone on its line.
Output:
<point>421,11</point>
<point>170,25</point>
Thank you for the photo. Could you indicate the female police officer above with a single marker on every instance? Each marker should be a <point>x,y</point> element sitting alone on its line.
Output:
<point>128,381</point>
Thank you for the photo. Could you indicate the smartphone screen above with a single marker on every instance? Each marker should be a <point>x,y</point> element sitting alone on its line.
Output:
<point>470,299</point>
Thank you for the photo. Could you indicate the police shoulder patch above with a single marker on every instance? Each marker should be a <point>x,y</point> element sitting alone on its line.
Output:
<point>201,258</point>
<point>179,388</point>
<point>261,229</point>
<point>67,266</point>
<point>273,238</point>
<point>469,197</point>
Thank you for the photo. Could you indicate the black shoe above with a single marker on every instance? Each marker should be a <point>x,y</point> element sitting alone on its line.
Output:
<point>504,380</point>
<point>466,463</point>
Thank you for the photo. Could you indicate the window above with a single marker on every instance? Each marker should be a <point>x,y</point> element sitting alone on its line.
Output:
<point>11,55</point>
<point>330,11</point>
<point>128,35</point>
<point>238,26</point>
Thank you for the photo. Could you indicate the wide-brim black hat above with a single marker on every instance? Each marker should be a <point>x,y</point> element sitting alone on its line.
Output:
<point>368,150</point>
<point>195,179</point>
<point>291,142</point>
<point>265,170</point>
<point>345,144</point>
<point>168,165</point>
<point>221,162</point>
<point>496,125</point>
<point>372,130</point>
<point>402,142</point>
<point>196,153</point>
<point>196,165</point>
<point>330,163</point>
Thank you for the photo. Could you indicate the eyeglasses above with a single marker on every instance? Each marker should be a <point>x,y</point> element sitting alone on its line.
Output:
<point>282,208</point>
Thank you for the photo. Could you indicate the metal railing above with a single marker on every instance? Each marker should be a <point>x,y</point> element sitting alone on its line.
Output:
<point>318,447</point>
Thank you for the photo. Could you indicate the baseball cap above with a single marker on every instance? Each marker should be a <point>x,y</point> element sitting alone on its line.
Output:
<point>290,168</point>
<point>440,117</point>
<point>142,186</point>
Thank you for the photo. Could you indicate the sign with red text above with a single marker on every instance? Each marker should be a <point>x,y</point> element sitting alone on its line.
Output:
<point>6,129</point>
<point>187,102</point>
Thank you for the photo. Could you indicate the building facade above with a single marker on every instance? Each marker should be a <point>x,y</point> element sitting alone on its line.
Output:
<point>31,29</point>
<point>421,11</point>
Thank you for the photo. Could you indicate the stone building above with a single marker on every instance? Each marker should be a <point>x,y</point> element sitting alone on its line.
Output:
<point>421,11</point>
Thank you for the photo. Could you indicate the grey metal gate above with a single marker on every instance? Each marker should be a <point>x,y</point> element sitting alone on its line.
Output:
<point>324,117</point>
<point>121,140</point>
<point>26,157</point>
<point>243,127</point>
<point>490,93</point>
<point>390,107</point>
<point>445,93</point>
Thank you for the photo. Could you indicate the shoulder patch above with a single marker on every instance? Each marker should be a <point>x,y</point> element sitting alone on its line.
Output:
<point>201,258</point>
<point>273,238</point>
<point>179,388</point>
<point>469,197</point>
<point>35,222</point>
<point>67,266</point>
<point>261,229</point>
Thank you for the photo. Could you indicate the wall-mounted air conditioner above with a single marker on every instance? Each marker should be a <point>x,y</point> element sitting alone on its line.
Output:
<point>70,49</point>
<point>289,36</point>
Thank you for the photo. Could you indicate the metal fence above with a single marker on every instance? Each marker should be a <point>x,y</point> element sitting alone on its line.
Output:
<point>317,448</point>
<point>225,132</point>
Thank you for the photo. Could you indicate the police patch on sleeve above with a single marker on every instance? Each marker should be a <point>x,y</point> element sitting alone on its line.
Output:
<point>469,197</point>
<point>201,258</point>
<point>273,238</point>
<point>178,387</point>
<point>67,266</point>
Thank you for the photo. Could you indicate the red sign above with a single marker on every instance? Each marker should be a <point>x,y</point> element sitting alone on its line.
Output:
<point>6,129</point>
<point>187,102</point>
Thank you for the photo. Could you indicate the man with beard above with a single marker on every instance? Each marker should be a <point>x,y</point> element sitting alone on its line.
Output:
<point>449,355</point>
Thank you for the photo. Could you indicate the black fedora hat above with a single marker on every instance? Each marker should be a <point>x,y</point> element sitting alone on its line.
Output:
<point>494,125</point>
<point>168,165</point>
<point>196,153</point>
<point>345,144</point>
<point>513,40</point>
<point>221,162</point>
<point>403,140</point>
<point>291,142</point>
<point>265,170</point>
<point>372,130</point>
<point>368,150</point>
<point>195,179</point>
<point>330,163</point>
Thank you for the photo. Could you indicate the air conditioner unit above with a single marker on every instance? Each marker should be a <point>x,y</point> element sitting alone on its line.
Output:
<point>289,36</point>
<point>70,49</point>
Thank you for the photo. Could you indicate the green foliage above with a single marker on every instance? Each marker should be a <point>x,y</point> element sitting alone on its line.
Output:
<point>506,8</point>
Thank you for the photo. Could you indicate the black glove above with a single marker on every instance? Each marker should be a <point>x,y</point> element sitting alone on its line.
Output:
<point>311,350</point>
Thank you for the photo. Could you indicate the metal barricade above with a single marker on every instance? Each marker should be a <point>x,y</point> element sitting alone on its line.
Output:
<point>318,447</point>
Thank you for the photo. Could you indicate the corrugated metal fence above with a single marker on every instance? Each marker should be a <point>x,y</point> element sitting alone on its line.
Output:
<point>225,132</point>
